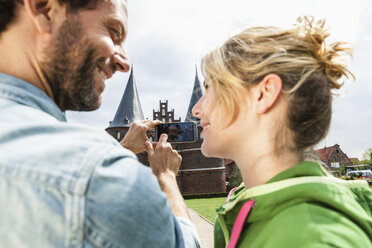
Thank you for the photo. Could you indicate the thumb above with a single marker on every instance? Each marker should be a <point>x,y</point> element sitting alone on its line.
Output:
<point>149,147</point>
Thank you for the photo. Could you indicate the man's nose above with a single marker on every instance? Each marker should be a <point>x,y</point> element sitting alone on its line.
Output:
<point>121,61</point>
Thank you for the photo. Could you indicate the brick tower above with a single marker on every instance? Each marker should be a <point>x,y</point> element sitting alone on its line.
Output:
<point>129,111</point>
<point>197,174</point>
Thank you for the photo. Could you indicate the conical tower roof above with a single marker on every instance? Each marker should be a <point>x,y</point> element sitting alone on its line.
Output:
<point>197,93</point>
<point>129,109</point>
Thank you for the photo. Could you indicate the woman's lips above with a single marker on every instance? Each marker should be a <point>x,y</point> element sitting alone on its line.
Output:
<point>205,127</point>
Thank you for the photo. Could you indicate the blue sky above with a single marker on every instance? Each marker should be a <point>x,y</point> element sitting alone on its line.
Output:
<point>166,38</point>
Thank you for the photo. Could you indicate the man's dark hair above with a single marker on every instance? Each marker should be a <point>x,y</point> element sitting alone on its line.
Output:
<point>8,9</point>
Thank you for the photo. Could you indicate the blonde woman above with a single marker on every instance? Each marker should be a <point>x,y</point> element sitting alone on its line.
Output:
<point>267,101</point>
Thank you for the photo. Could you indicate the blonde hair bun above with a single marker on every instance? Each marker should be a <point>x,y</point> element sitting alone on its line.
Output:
<point>331,57</point>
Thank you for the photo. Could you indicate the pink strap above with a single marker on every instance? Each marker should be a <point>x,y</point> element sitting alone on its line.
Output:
<point>239,222</point>
<point>230,193</point>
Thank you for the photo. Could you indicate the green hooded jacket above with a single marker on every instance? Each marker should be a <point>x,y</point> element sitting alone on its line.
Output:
<point>301,207</point>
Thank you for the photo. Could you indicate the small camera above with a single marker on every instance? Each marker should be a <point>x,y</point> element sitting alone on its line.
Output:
<point>178,132</point>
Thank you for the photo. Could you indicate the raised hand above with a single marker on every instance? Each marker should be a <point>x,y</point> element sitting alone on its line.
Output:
<point>136,136</point>
<point>162,157</point>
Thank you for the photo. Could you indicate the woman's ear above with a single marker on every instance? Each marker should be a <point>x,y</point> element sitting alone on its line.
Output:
<point>267,92</point>
<point>40,13</point>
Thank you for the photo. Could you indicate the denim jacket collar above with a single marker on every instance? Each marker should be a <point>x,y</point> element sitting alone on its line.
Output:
<point>25,93</point>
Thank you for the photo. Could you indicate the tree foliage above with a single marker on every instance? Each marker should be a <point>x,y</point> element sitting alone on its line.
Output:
<point>367,155</point>
<point>235,178</point>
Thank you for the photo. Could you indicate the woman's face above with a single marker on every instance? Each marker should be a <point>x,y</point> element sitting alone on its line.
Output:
<point>219,140</point>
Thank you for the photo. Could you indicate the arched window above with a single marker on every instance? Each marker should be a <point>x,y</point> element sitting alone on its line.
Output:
<point>118,136</point>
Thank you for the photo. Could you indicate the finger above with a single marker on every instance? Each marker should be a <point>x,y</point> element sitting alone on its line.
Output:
<point>133,125</point>
<point>154,143</point>
<point>149,147</point>
<point>177,154</point>
<point>152,124</point>
<point>141,123</point>
<point>157,122</point>
<point>140,126</point>
<point>163,138</point>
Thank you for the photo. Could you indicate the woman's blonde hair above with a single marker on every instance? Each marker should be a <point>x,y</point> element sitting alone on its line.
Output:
<point>308,66</point>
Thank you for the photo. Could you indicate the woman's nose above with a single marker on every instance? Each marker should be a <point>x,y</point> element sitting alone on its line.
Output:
<point>196,109</point>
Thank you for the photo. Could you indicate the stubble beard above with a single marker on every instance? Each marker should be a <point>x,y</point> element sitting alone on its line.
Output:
<point>69,67</point>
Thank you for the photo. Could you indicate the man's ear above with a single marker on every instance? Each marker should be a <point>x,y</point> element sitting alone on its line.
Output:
<point>40,13</point>
<point>267,92</point>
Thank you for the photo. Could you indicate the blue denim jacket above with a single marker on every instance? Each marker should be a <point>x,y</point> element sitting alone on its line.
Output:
<point>67,185</point>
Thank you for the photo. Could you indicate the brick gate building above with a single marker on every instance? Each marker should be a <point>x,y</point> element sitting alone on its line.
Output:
<point>198,174</point>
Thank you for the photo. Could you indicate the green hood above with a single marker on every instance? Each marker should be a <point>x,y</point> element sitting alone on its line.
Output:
<point>297,196</point>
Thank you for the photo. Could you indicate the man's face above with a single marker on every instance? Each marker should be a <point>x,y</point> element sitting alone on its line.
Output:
<point>85,52</point>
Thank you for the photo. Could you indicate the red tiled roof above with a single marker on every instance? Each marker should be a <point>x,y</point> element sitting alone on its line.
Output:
<point>325,153</point>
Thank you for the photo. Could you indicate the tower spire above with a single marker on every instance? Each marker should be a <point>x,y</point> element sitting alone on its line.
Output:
<point>129,109</point>
<point>196,95</point>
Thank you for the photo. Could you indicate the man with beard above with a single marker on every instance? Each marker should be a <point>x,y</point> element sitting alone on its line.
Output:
<point>63,184</point>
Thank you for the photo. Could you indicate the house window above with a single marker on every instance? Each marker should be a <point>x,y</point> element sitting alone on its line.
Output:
<point>118,136</point>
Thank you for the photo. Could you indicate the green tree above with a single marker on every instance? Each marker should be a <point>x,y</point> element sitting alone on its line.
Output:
<point>235,179</point>
<point>367,156</point>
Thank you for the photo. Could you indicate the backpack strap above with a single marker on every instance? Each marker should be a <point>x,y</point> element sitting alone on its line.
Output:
<point>239,222</point>
<point>230,194</point>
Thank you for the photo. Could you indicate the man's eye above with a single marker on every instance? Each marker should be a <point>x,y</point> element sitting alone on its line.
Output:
<point>116,35</point>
